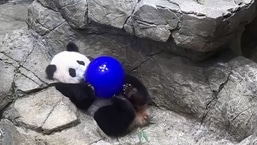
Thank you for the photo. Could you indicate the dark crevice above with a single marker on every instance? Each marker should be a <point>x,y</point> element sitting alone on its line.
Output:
<point>136,67</point>
<point>51,111</point>
<point>130,15</point>
<point>47,6</point>
<point>50,30</point>
<point>34,75</point>
<point>23,125</point>
<point>71,124</point>
<point>59,129</point>
<point>95,142</point>
<point>215,94</point>
<point>36,90</point>
<point>144,61</point>
<point>39,129</point>
<point>70,4</point>
<point>250,107</point>
<point>11,59</point>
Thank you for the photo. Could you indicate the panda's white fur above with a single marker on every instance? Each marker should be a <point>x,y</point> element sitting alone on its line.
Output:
<point>68,59</point>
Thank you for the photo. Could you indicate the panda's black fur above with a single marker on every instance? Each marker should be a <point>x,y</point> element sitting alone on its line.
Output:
<point>81,94</point>
<point>115,116</point>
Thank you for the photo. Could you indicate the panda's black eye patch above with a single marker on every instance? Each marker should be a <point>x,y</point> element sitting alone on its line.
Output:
<point>72,72</point>
<point>81,62</point>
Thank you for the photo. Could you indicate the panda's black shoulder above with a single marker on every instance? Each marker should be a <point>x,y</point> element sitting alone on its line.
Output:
<point>71,46</point>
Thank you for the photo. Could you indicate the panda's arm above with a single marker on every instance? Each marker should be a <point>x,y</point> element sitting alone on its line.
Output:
<point>142,95</point>
<point>82,95</point>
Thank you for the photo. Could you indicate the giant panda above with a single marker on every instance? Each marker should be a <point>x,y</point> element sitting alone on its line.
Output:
<point>67,68</point>
<point>116,116</point>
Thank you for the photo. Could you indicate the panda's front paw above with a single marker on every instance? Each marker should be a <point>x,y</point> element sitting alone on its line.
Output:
<point>93,89</point>
<point>126,86</point>
<point>90,86</point>
<point>129,90</point>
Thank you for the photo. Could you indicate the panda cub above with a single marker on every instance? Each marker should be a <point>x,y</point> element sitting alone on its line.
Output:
<point>115,116</point>
<point>68,67</point>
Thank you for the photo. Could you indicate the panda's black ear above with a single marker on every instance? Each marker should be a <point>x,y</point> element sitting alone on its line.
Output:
<point>72,47</point>
<point>50,69</point>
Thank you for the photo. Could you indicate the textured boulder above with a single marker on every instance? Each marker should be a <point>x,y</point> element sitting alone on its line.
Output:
<point>201,26</point>
<point>45,111</point>
<point>175,83</point>
<point>43,20</point>
<point>9,135</point>
<point>3,1</point>
<point>12,17</point>
<point>23,56</point>
<point>112,12</point>
<point>214,100</point>
<point>234,110</point>
<point>198,26</point>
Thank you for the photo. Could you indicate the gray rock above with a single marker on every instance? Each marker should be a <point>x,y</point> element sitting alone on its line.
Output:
<point>17,46</point>
<point>58,39</point>
<point>234,110</point>
<point>45,111</point>
<point>9,135</point>
<point>215,99</point>
<point>172,128</point>
<point>7,72</point>
<point>194,25</point>
<point>12,17</point>
<point>3,1</point>
<point>195,29</point>
<point>43,20</point>
<point>113,13</point>
<point>248,43</point>
<point>55,30</point>
<point>26,59</point>
<point>38,108</point>
<point>48,4</point>
<point>63,115</point>
<point>75,13</point>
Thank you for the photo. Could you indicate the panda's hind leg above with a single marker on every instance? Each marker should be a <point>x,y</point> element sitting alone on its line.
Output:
<point>138,95</point>
<point>143,116</point>
<point>115,119</point>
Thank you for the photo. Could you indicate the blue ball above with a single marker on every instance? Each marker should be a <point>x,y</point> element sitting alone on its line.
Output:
<point>106,75</point>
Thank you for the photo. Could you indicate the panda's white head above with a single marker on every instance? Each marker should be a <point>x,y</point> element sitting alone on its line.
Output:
<point>68,66</point>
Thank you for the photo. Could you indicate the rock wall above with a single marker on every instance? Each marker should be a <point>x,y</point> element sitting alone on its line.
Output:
<point>210,102</point>
<point>201,26</point>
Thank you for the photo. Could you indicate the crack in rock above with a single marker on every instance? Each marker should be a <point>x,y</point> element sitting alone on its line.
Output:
<point>45,83</point>
<point>70,4</point>
<point>237,115</point>
<point>42,115</point>
<point>144,61</point>
<point>48,7</point>
<point>215,95</point>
